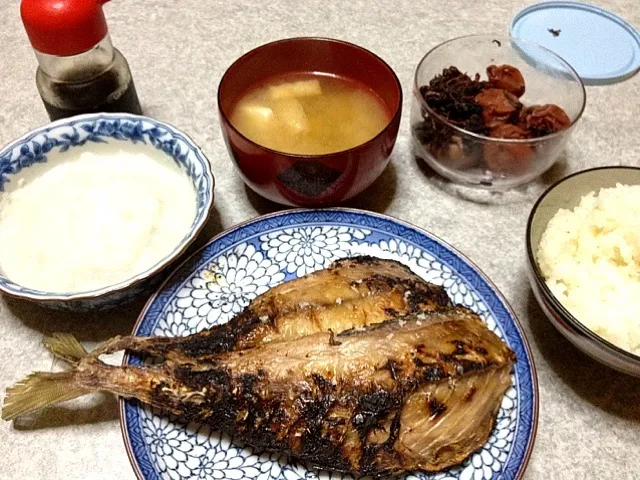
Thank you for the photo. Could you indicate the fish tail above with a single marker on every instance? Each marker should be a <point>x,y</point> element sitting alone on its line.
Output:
<point>88,374</point>
<point>65,347</point>
<point>39,390</point>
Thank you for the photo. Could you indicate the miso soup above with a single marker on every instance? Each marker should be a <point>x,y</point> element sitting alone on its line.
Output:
<point>310,114</point>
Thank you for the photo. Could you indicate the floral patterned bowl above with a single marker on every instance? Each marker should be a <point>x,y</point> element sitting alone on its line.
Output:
<point>249,259</point>
<point>49,143</point>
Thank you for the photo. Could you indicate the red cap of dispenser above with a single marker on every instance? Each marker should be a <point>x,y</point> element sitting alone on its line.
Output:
<point>64,27</point>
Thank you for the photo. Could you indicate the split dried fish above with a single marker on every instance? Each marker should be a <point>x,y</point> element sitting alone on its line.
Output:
<point>362,367</point>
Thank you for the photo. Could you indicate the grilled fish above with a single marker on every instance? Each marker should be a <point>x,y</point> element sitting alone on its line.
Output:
<point>419,392</point>
<point>350,293</point>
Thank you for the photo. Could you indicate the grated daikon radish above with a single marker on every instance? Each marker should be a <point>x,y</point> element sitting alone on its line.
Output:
<point>94,220</point>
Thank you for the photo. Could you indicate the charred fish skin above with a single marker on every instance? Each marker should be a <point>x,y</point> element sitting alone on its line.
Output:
<point>323,368</point>
<point>383,410</point>
<point>417,393</point>
<point>351,292</point>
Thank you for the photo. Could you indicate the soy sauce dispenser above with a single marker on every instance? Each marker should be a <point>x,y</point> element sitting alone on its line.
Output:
<point>79,69</point>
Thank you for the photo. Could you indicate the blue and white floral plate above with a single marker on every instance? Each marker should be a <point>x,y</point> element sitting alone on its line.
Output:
<point>251,258</point>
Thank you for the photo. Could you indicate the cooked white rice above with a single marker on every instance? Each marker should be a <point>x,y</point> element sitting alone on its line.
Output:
<point>590,259</point>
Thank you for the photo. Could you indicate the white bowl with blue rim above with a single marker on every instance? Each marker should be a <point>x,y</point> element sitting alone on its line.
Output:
<point>49,143</point>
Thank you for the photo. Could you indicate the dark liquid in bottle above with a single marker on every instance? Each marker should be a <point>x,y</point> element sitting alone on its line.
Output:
<point>106,93</point>
<point>127,102</point>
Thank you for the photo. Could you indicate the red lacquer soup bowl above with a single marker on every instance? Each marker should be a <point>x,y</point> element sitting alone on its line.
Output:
<point>310,180</point>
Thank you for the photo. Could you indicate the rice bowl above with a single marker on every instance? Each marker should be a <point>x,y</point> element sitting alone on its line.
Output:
<point>590,259</point>
<point>566,194</point>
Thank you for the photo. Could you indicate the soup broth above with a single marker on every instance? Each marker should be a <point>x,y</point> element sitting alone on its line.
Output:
<point>310,114</point>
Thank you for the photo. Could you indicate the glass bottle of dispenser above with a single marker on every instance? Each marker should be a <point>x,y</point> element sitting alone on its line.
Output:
<point>79,70</point>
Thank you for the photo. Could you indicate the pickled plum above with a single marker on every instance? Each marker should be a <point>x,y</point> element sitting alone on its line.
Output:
<point>506,77</point>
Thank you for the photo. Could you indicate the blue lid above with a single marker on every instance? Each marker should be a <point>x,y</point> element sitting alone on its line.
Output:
<point>599,45</point>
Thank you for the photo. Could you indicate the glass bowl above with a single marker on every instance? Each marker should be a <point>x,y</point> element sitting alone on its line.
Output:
<point>567,193</point>
<point>471,159</point>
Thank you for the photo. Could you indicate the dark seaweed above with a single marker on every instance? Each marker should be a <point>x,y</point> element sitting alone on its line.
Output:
<point>451,95</point>
<point>309,177</point>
